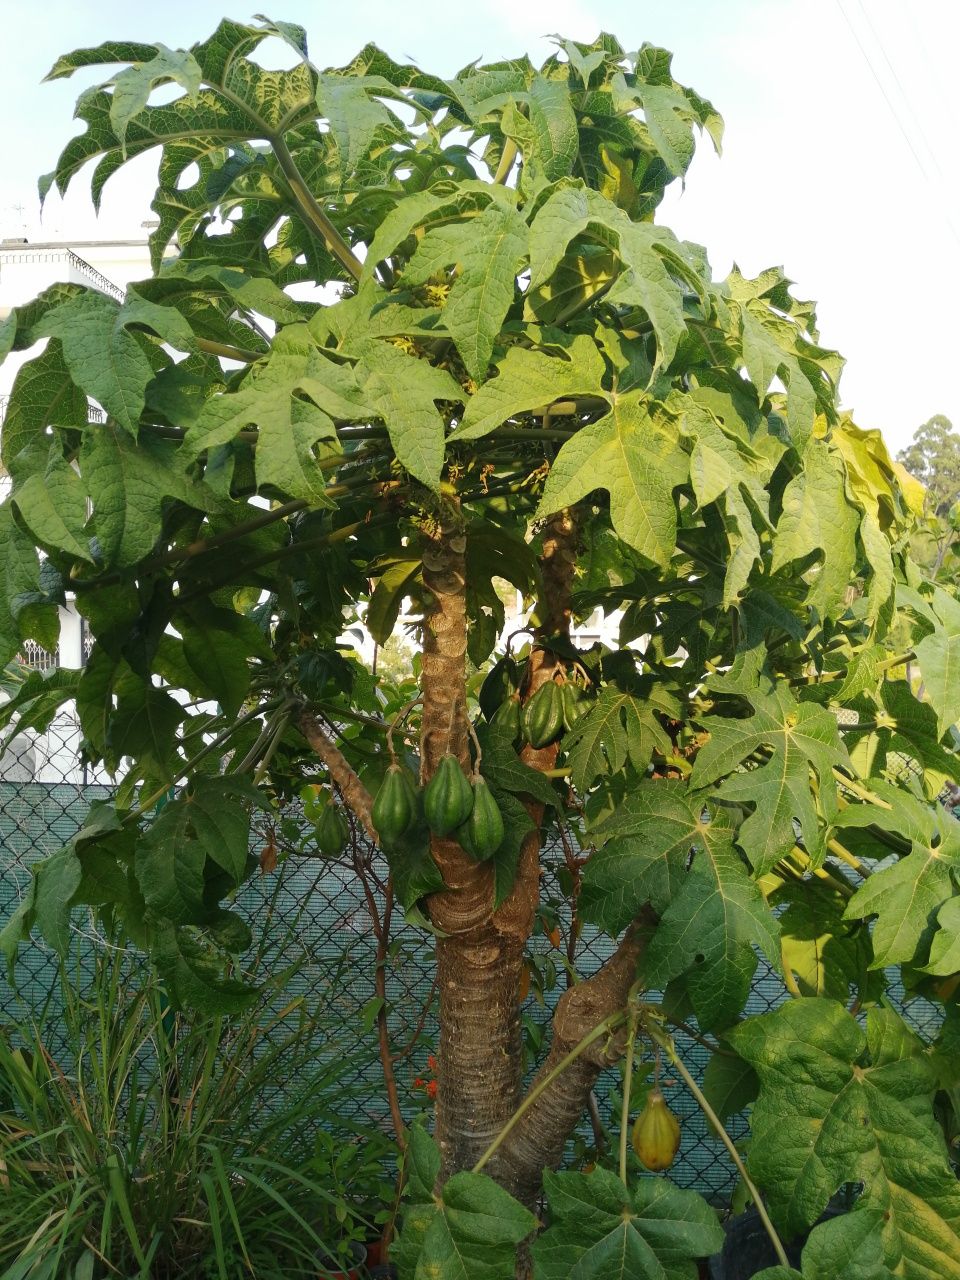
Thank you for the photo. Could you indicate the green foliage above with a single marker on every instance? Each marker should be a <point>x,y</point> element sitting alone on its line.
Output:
<point>101,1157</point>
<point>839,1103</point>
<point>468,1230</point>
<point>600,1229</point>
<point>490,327</point>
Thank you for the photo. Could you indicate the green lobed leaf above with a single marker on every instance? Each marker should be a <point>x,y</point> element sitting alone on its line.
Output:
<point>939,657</point>
<point>468,1231</point>
<point>19,580</point>
<point>192,971</point>
<point>668,853</point>
<point>144,726</point>
<point>625,454</point>
<point>354,115</point>
<point>105,359</point>
<point>817,516</point>
<point>43,395</point>
<point>208,823</point>
<point>799,737</point>
<point>488,251</point>
<point>618,727</point>
<point>647,252</point>
<point>289,427</point>
<point>53,506</point>
<point>403,391</point>
<point>133,86</point>
<point>530,379</point>
<point>601,1231</point>
<point>841,1104</point>
<point>850,1246</point>
<point>906,896</point>
<point>57,880</point>
<point>645,849</point>
<point>556,139</point>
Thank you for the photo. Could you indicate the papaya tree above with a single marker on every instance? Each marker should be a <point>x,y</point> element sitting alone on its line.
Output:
<point>412,343</point>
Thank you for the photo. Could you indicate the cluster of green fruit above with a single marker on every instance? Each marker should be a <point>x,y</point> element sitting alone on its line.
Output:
<point>450,803</point>
<point>543,717</point>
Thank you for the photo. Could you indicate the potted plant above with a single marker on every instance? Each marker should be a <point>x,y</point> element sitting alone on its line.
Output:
<point>352,1169</point>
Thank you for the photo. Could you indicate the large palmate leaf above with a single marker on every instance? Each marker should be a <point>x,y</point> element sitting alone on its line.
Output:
<point>19,580</point>
<point>939,657</point>
<point>191,967</point>
<point>487,251</point>
<point>403,391</point>
<point>850,1246</point>
<point>58,881</point>
<point>354,115</point>
<point>663,849</point>
<point>469,1230</point>
<point>906,896</point>
<point>254,102</point>
<point>817,516</point>
<point>626,454</point>
<point>617,728</point>
<point>211,822</point>
<point>290,425</point>
<point>601,1231</point>
<point>105,358</point>
<point>842,1104</point>
<point>527,380</point>
<point>826,954</point>
<point>43,394</point>
<point>648,254</point>
<point>53,506</point>
<point>128,483</point>
<point>799,736</point>
<point>777,336</point>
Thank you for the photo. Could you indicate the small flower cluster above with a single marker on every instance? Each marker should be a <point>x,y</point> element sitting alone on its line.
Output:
<point>428,1086</point>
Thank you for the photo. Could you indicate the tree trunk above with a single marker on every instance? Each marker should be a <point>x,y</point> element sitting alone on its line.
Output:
<point>480,951</point>
<point>478,967</point>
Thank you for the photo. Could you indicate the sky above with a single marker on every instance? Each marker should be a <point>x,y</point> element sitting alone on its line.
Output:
<point>839,162</point>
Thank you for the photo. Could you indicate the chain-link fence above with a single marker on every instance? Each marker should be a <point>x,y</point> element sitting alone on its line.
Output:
<point>314,916</point>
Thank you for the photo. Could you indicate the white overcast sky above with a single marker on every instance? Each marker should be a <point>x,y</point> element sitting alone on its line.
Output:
<point>840,158</point>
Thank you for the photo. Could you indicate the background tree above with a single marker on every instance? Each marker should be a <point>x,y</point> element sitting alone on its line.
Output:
<point>513,371</point>
<point>934,459</point>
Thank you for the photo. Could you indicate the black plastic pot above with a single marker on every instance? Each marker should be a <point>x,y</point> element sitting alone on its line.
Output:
<point>385,1272</point>
<point>353,1270</point>
<point>747,1248</point>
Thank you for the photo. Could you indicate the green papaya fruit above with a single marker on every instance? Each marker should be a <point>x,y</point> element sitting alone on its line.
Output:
<point>506,719</point>
<point>574,704</point>
<point>394,809</point>
<point>482,833</point>
<point>447,797</point>
<point>331,831</point>
<point>543,715</point>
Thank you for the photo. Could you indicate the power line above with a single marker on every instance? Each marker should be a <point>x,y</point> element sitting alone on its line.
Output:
<point>898,82</point>
<point>899,123</point>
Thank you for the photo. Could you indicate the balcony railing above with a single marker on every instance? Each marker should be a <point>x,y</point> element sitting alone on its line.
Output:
<point>96,278</point>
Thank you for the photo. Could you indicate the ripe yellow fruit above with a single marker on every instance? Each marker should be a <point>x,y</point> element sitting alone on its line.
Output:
<point>656,1134</point>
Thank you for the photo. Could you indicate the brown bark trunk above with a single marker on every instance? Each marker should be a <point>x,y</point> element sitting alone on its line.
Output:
<point>479,962</point>
<point>538,1140</point>
<point>478,967</point>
